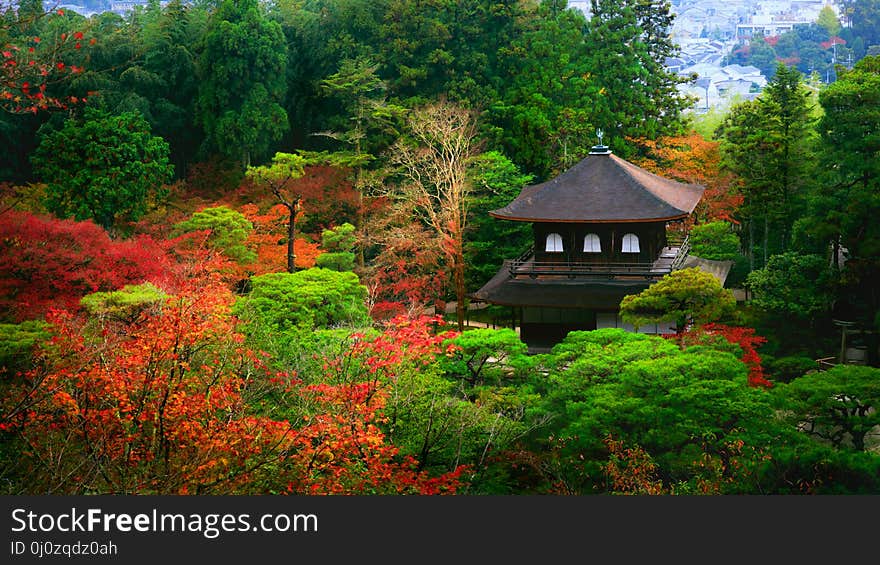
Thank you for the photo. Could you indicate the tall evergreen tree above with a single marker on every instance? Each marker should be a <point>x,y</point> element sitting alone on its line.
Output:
<point>447,47</point>
<point>633,94</point>
<point>495,182</point>
<point>157,76</point>
<point>102,167</point>
<point>320,35</point>
<point>788,98</point>
<point>372,123</point>
<point>846,204</point>
<point>242,73</point>
<point>766,142</point>
<point>541,119</point>
<point>863,17</point>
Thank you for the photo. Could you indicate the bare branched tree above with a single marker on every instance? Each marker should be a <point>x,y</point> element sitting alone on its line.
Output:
<point>431,162</point>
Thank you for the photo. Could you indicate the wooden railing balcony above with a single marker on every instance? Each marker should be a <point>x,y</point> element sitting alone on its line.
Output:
<point>676,239</point>
<point>670,259</point>
<point>574,269</point>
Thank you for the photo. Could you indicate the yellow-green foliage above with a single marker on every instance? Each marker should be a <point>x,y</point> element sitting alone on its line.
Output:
<point>313,298</point>
<point>228,228</point>
<point>17,341</point>
<point>687,296</point>
<point>126,304</point>
<point>338,244</point>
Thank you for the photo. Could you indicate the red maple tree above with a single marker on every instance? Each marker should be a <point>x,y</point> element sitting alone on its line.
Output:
<point>406,275</point>
<point>31,66</point>
<point>46,262</point>
<point>744,337</point>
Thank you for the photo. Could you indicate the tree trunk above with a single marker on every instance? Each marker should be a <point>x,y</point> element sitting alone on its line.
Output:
<point>360,223</point>
<point>359,189</point>
<point>766,237</point>
<point>751,245</point>
<point>291,235</point>
<point>458,274</point>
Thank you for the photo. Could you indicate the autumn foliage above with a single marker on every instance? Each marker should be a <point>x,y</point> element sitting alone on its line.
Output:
<point>692,159</point>
<point>328,196</point>
<point>745,338</point>
<point>151,408</point>
<point>406,275</point>
<point>164,405</point>
<point>338,443</point>
<point>631,470</point>
<point>46,262</point>
<point>30,67</point>
<point>268,241</point>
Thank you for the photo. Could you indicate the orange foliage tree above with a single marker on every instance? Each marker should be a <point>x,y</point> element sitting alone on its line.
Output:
<point>268,241</point>
<point>311,183</point>
<point>356,386</point>
<point>151,407</point>
<point>691,158</point>
<point>173,403</point>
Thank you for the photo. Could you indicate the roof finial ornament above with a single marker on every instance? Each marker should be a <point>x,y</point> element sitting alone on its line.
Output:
<point>600,149</point>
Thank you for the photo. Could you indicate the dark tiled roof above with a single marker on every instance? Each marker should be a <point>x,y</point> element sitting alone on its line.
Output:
<point>560,292</point>
<point>603,188</point>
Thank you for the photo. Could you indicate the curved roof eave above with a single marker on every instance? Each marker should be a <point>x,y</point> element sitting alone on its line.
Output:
<point>588,221</point>
<point>603,188</point>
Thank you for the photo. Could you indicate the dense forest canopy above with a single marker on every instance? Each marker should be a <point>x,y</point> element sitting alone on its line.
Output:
<point>229,231</point>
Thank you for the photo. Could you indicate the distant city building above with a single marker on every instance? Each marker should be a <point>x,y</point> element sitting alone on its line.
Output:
<point>582,5</point>
<point>707,30</point>
<point>75,8</point>
<point>124,6</point>
<point>764,26</point>
<point>121,8</point>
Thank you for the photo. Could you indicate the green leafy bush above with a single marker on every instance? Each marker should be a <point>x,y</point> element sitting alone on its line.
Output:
<point>313,298</point>
<point>715,241</point>
<point>785,369</point>
<point>126,304</point>
<point>337,244</point>
<point>792,284</point>
<point>17,342</point>
<point>229,231</point>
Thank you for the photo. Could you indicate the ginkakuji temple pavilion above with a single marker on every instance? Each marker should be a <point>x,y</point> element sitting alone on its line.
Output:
<point>600,233</point>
